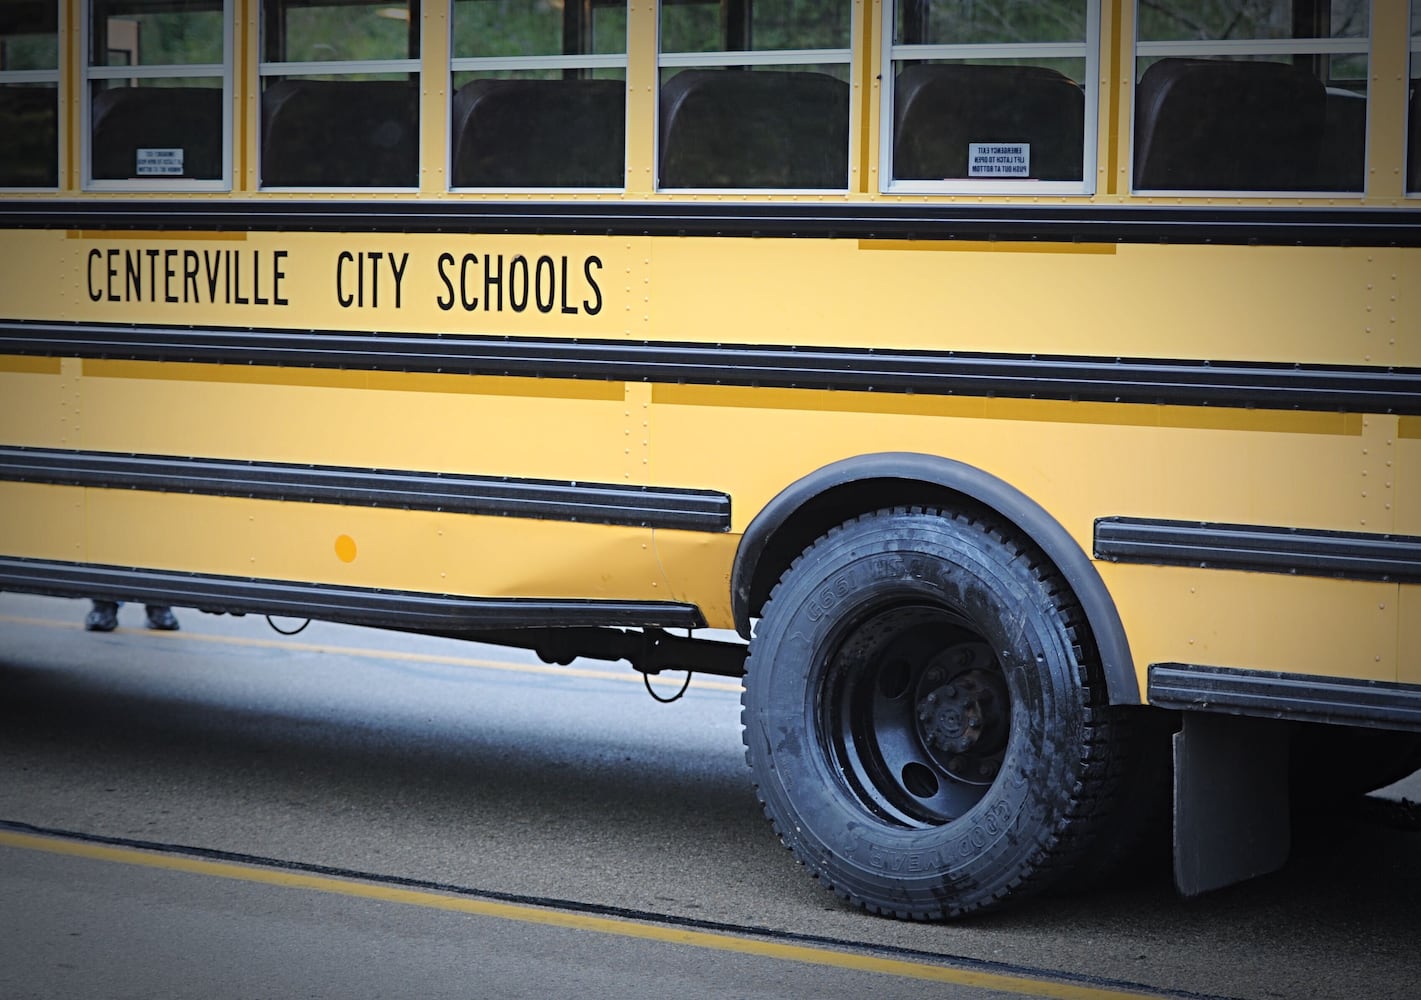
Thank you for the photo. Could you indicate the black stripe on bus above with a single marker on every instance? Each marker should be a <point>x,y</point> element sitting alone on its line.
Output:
<point>409,611</point>
<point>596,503</point>
<point>1351,555</point>
<point>920,220</point>
<point>1273,695</point>
<point>1263,385</point>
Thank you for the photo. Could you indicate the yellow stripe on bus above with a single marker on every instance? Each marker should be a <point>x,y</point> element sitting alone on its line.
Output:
<point>995,408</point>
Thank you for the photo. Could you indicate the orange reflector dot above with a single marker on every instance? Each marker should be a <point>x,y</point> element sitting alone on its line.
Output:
<point>345,548</point>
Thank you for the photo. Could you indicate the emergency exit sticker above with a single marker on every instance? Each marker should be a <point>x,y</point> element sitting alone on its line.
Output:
<point>160,163</point>
<point>999,159</point>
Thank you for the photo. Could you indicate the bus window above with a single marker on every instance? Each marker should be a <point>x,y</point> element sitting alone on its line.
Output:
<point>989,96</point>
<point>340,93</point>
<point>754,95</point>
<point>1248,96</point>
<point>1413,105</point>
<point>29,94</point>
<point>157,74</point>
<point>539,94</point>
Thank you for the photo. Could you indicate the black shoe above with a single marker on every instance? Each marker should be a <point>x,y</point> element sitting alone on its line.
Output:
<point>104,617</point>
<point>161,618</point>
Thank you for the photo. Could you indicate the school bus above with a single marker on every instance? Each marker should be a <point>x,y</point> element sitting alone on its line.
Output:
<point>1035,386</point>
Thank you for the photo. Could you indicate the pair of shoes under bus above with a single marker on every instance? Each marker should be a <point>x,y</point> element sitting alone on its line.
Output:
<point>161,617</point>
<point>103,617</point>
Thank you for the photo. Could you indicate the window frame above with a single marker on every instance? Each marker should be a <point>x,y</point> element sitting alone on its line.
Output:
<point>333,67</point>
<point>88,74</point>
<point>1230,48</point>
<point>892,54</point>
<point>467,64</point>
<point>1413,67</point>
<point>55,77</point>
<point>719,59</point>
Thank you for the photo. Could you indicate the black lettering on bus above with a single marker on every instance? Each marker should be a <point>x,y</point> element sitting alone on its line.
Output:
<point>493,278</point>
<point>518,296</point>
<point>212,269</point>
<point>152,275</point>
<point>470,302</point>
<point>375,257</point>
<point>227,274</point>
<point>235,263</point>
<point>539,285</point>
<point>399,273</point>
<point>190,268</point>
<point>445,258</point>
<point>95,294</point>
<point>113,273</point>
<point>562,286</point>
<point>277,274</point>
<point>592,306</point>
<point>346,301</point>
<point>257,279</point>
<point>168,275</point>
<point>133,275</point>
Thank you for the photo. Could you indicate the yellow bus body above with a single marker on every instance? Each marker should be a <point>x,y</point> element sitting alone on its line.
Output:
<point>1170,438</point>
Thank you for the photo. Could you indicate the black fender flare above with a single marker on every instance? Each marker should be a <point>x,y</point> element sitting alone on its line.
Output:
<point>909,468</point>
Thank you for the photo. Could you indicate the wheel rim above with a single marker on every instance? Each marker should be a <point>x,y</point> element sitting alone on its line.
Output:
<point>916,714</point>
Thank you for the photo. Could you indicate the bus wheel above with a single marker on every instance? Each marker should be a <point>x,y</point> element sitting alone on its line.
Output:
<point>924,715</point>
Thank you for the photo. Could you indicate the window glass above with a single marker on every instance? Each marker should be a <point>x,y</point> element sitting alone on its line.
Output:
<point>1251,95</point>
<point>539,94</point>
<point>340,93</point>
<point>755,95</point>
<point>155,33</point>
<point>984,22</point>
<point>29,94</point>
<point>157,90</point>
<point>989,93</point>
<point>1413,105</point>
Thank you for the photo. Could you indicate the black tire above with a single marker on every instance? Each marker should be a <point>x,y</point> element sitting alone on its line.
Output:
<point>924,715</point>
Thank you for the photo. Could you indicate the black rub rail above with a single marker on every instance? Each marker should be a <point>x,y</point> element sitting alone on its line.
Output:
<point>598,503</point>
<point>1264,385</point>
<point>1288,226</point>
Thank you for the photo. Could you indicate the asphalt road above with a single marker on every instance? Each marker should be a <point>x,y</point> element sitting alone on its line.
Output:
<point>224,811</point>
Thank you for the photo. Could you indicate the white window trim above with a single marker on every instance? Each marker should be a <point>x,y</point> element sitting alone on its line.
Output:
<point>339,67</point>
<point>223,72</point>
<point>756,57</point>
<point>1087,49</point>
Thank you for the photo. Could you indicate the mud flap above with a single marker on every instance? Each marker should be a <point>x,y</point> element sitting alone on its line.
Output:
<point>1231,813</point>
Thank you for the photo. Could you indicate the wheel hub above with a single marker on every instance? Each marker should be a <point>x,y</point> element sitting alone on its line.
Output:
<point>950,717</point>
<point>962,712</point>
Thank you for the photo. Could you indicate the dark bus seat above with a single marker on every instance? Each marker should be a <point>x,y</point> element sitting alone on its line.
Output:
<point>1413,138</point>
<point>127,119</point>
<point>940,109</point>
<point>340,133</point>
<point>29,122</point>
<point>737,128</point>
<point>540,133</point>
<point>1343,166</point>
<point>1211,124</point>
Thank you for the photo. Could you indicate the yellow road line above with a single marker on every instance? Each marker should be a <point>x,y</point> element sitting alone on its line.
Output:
<point>545,669</point>
<point>999,982</point>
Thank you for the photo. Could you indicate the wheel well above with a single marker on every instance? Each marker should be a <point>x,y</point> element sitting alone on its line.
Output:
<point>833,507</point>
<point>808,508</point>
